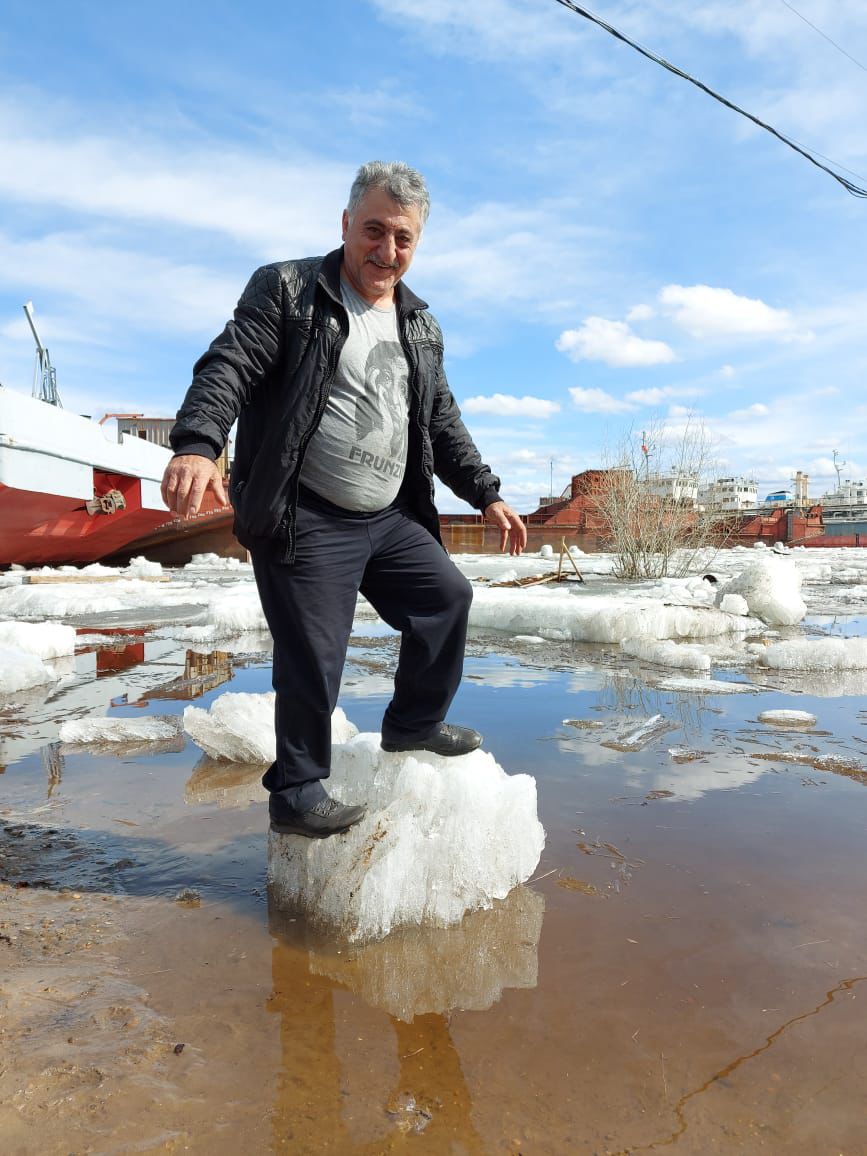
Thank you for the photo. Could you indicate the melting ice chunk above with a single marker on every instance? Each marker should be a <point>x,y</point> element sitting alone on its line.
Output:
<point>240,728</point>
<point>708,686</point>
<point>638,737</point>
<point>788,718</point>
<point>118,730</point>
<point>667,653</point>
<point>441,837</point>
<point>771,588</point>
<point>20,670</point>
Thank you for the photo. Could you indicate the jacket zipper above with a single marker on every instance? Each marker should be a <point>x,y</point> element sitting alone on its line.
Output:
<point>324,394</point>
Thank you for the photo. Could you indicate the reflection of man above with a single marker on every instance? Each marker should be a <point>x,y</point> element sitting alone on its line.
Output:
<point>334,371</point>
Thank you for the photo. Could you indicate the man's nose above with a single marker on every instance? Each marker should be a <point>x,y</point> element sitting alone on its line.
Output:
<point>388,250</point>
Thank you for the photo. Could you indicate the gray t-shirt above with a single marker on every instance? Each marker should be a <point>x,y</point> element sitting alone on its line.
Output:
<point>357,456</point>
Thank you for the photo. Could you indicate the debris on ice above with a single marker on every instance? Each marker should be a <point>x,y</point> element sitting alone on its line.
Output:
<point>240,727</point>
<point>638,737</point>
<point>441,837</point>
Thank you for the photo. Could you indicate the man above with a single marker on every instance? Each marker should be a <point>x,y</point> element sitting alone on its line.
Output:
<point>333,369</point>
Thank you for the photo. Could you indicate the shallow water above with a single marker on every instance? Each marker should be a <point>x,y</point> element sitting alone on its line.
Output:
<point>685,973</point>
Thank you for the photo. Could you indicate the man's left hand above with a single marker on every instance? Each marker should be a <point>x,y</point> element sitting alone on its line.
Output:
<point>512,529</point>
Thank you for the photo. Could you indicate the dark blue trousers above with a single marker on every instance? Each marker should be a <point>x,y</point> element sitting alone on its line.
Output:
<point>412,584</point>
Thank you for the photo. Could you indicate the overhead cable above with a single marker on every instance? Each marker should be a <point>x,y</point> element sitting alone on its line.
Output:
<point>816,28</point>
<point>849,186</point>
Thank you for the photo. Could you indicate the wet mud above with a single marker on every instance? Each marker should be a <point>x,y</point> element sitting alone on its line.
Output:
<point>685,973</point>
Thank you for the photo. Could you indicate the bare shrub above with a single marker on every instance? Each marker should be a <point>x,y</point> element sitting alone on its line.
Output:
<point>648,508</point>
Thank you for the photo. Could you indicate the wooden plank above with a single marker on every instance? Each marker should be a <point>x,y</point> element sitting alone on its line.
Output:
<point>44,579</point>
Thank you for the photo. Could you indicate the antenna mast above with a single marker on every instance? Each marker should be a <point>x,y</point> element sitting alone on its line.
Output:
<point>44,373</point>
<point>838,466</point>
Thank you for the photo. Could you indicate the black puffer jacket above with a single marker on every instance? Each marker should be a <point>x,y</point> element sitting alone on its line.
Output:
<point>272,369</point>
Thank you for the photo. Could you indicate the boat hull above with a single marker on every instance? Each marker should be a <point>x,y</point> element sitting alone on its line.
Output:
<point>70,495</point>
<point>39,529</point>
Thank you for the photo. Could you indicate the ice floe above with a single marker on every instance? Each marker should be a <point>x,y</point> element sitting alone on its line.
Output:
<point>771,588</point>
<point>44,639</point>
<point>240,727</point>
<point>707,686</point>
<point>118,730</point>
<point>441,837</point>
<point>20,670</point>
<point>815,654</point>
<point>788,718</point>
<point>667,653</point>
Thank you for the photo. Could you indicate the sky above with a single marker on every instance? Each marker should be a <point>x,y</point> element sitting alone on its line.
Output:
<point>609,251</point>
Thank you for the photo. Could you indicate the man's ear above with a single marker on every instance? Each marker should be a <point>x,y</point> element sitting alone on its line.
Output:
<point>345,223</point>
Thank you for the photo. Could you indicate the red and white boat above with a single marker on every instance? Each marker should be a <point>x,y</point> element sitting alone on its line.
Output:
<point>68,494</point>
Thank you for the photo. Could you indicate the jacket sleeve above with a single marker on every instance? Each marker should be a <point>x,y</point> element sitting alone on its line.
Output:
<point>457,461</point>
<point>235,363</point>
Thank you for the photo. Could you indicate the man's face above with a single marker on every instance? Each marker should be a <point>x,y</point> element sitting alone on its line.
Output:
<point>379,243</point>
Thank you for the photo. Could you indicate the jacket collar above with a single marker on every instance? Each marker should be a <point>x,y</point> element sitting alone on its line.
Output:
<point>329,278</point>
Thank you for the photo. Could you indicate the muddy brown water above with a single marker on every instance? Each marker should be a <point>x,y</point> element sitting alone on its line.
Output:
<point>686,972</point>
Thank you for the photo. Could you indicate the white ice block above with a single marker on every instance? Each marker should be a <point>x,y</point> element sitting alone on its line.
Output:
<point>240,728</point>
<point>441,837</point>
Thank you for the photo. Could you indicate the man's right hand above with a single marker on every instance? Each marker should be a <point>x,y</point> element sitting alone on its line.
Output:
<point>185,482</point>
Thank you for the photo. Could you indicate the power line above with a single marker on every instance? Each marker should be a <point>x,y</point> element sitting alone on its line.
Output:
<point>815,28</point>
<point>849,186</point>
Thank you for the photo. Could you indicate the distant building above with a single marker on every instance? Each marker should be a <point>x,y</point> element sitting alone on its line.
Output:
<point>156,430</point>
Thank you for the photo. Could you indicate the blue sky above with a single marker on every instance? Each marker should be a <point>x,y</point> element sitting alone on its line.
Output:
<point>608,248</point>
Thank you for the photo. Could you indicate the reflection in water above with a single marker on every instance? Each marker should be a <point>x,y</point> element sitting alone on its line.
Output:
<point>417,970</point>
<point>226,784</point>
<point>391,1066</point>
<point>202,672</point>
<point>52,760</point>
<point>113,659</point>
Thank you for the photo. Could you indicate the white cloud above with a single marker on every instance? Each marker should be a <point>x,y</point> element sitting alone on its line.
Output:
<point>704,311</point>
<point>751,411</point>
<point>641,313</point>
<point>272,205</point>
<point>146,292</point>
<point>598,401</point>
<point>612,342</point>
<point>504,405</point>
<point>486,28</point>
<point>659,394</point>
<point>727,372</point>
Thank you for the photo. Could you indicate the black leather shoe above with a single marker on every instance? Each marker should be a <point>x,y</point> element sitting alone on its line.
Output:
<point>327,817</point>
<point>446,740</point>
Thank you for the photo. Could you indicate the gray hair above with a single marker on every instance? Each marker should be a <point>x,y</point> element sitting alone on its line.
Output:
<point>407,186</point>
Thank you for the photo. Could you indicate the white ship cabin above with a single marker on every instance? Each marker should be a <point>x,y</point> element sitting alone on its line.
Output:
<point>848,493</point>
<point>676,487</point>
<point>728,495</point>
